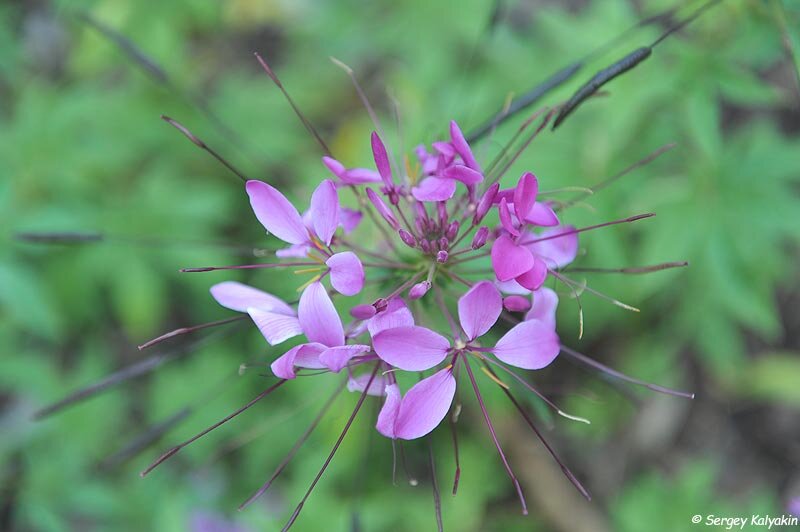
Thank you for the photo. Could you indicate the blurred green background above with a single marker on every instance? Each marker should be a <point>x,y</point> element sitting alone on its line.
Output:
<point>82,149</point>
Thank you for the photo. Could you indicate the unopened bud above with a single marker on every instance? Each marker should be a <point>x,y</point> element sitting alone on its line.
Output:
<point>441,207</point>
<point>425,245</point>
<point>382,209</point>
<point>480,237</point>
<point>363,312</point>
<point>444,243</point>
<point>441,257</point>
<point>419,290</point>
<point>516,303</point>
<point>485,203</point>
<point>452,230</point>
<point>407,238</point>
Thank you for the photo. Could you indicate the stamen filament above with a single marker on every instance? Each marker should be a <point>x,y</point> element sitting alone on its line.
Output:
<point>187,330</point>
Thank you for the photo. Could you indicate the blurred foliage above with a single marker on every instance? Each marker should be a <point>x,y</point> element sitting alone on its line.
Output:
<point>81,148</point>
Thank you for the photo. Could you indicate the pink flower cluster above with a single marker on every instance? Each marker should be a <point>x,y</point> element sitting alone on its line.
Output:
<point>434,227</point>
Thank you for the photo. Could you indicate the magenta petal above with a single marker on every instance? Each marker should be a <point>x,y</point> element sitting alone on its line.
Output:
<point>349,219</point>
<point>425,405</point>
<point>324,211</point>
<point>535,277</point>
<point>531,344</point>
<point>545,303</point>
<point>466,175</point>
<point>303,355</point>
<point>542,214</point>
<point>275,327</point>
<point>411,348</point>
<point>556,252</point>
<point>382,209</point>
<point>510,260</point>
<point>318,317</point>
<point>381,159</point>
<point>347,273</point>
<point>276,213</point>
<point>461,146</point>
<point>396,315</point>
<point>505,218</point>
<point>334,166</point>
<point>294,251</point>
<point>336,358</point>
<point>388,413</point>
<point>358,383</point>
<point>525,195</point>
<point>434,189</point>
<point>360,176</point>
<point>240,297</point>
<point>515,303</point>
<point>479,309</point>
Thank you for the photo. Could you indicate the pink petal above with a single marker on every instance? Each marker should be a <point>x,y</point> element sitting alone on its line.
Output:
<point>535,277</point>
<point>382,209</point>
<point>461,146</point>
<point>545,303</point>
<point>349,219</point>
<point>479,309</point>
<point>425,405</point>
<point>318,317</point>
<point>516,303</point>
<point>360,176</point>
<point>434,189</point>
<point>294,251</point>
<point>556,252</point>
<point>324,211</point>
<point>531,344</point>
<point>347,273</point>
<point>381,159</point>
<point>466,175</point>
<point>334,166</point>
<point>525,194</point>
<point>511,287</point>
<point>411,348</point>
<point>303,355</point>
<point>275,327</point>
<point>505,218</point>
<point>239,297</point>
<point>510,260</point>
<point>359,382</point>
<point>388,413</point>
<point>542,214</point>
<point>336,358</point>
<point>275,213</point>
<point>396,315</point>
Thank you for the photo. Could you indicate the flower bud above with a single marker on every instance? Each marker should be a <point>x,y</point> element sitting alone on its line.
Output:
<point>382,209</point>
<point>452,230</point>
<point>441,257</point>
<point>419,290</point>
<point>407,238</point>
<point>485,203</point>
<point>425,245</point>
<point>443,243</point>
<point>516,303</point>
<point>363,312</point>
<point>480,237</point>
<point>441,207</point>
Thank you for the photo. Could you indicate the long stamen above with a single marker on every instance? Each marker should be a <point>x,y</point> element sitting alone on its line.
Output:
<point>603,184</point>
<point>511,474</point>
<point>202,145</point>
<point>294,107</point>
<point>247,267</point>
<point>634,270</point>
<point>630,219</point>
<point>527,385</point>
<point>616,374</point>
<point>188,330</point>
<point>360,402</point>
<point>296,447</point>
<point>592,291</point>
<point>437,500</point>
<point>129,372</point>
<point>575,482</point>
<point>174,450</point>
